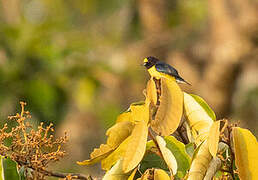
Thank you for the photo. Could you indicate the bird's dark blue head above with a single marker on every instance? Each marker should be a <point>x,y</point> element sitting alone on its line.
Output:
<point>150,61</point>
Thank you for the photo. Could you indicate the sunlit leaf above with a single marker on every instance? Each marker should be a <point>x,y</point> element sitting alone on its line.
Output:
<point>131,177</point>
<point>136,147</point>
<point>160,174</point>
<point>200,162</point>
<point>125,116</point>
<point>140,112</point>
<point>167,154</point>
<point>213,138</point>
<point>197,117</point>
<point>246,156</point>
<point>116,172</point>
<point>170,110</point>
<point>118,133</point>
<point>178,150</point>
<point>10,170</point>
<point>119,153</point>
<point>205,106</point>
<point>151,92</point>
<point>97,155</point>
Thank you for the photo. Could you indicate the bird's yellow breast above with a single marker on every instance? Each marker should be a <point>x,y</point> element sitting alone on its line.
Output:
<point>154,73</point>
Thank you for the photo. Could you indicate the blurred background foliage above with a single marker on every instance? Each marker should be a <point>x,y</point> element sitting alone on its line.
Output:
<point>77,62</point>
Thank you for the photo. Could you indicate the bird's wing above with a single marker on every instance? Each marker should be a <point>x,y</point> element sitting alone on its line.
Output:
<point>166,68</point>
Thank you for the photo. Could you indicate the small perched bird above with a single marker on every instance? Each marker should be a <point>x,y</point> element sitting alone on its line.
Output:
<point>159,69</point>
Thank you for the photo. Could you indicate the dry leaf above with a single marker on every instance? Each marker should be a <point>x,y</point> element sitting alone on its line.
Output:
<point>136,146</point>
<point>170,110</point>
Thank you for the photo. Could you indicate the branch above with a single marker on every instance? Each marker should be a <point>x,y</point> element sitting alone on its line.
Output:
<point>56,174</point>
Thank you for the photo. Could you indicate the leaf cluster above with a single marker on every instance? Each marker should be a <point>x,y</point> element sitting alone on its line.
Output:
<point>173,135</point>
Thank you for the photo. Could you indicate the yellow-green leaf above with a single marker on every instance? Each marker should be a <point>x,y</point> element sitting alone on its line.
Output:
<point>116,172</point>
<point>97,155</point>
<point>136,146</point>
<point>160,174</point>
<point>119,153</point>
<point>167,155</point>
<point>1,169</point>
<point>179,151</point>
<point>205,106</point>
<point>118,133</point>
<point>197,118</point>
<point>246,156</point>
<point>10,169</point>
<point>213,138</point>
<point>170,110</point>
<point>200,162</point>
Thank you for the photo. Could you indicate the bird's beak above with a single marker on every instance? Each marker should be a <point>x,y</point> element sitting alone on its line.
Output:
<point>144,64</point>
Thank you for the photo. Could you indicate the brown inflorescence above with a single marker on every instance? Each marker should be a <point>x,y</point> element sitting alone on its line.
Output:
<point>31,149</point>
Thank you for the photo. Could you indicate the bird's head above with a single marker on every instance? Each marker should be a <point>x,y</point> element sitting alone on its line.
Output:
<point>150,61</point>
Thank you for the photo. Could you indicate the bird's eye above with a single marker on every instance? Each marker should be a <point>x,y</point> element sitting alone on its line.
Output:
<point>145,63</point>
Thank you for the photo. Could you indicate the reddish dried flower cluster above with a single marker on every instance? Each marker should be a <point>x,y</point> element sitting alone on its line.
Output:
<point>31,149</point>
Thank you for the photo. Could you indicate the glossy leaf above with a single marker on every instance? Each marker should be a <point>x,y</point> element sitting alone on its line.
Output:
<point>179,151</point>
<point>119,153</point>
<point>116,172</point>
<point>160,174</point>
<point>200,162</point>
<point>170,110</point>
<point>213,138</point>
<point>246,156</point>
<point>167,155</point>
<point>118,133</point>
<point>97,155</point>
<point>197,118</point>
<point>10,170</point>
<point>136,146</point>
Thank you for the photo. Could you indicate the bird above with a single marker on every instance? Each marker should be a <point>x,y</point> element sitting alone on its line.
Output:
<point>159,69</point>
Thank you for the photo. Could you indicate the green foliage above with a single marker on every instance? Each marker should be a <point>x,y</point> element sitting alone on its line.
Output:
<point>9,169</point>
